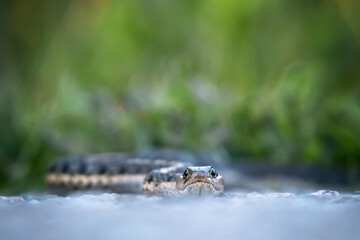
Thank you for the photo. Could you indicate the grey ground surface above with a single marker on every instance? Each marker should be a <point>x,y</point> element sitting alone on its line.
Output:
<point>277,216</point>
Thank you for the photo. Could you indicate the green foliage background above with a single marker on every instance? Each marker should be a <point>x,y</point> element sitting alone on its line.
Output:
<point>269,80</point>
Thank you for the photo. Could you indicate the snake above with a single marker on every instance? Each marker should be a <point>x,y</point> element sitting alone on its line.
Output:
<point>152,173</point>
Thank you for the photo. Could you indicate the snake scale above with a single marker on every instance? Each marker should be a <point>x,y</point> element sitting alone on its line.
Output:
<point>163,173</point>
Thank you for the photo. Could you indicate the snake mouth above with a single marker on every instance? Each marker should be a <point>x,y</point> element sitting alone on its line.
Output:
<point>202,183</point>
<point>200,188</point>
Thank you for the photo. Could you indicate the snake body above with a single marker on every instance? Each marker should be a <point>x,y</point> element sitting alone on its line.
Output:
<point>154,174</point>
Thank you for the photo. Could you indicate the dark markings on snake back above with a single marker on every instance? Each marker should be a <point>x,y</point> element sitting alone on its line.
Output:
<point>88,185</point>
<point>99,183</point>
<point>150,178</point>
<point>52,168</point>
<point>82,167</point>
<point>65,167</point>
<point>121,170</point>
<point>102,169</point>
<point>80,183</point>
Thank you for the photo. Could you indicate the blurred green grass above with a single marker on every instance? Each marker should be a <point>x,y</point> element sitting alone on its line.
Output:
<point>274,81</point>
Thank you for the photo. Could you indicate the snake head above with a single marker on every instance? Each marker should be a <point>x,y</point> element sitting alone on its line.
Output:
<point>200,180</point>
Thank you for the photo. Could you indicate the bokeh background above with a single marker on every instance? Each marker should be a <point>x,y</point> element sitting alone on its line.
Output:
<point>268,81</point>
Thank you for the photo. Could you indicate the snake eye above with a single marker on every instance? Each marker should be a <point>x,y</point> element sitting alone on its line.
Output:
<point>186,173</point>
<point>213,173</point>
